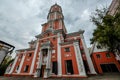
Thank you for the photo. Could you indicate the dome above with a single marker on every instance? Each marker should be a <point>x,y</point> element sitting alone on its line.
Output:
<point>55,8</point>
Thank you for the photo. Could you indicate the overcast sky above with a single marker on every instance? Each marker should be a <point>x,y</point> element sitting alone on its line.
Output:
<point>20,20</point>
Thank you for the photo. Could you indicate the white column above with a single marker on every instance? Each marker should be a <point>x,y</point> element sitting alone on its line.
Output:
<point>13,65</point>
<point>34,58</point>
<point>90,64</point>
<point>81,68</point>
<point>21,63</point>
<point>59,55</point>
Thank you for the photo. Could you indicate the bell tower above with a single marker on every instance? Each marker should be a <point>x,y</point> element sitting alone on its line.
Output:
<point>55,12</point>
<point>55,19</point>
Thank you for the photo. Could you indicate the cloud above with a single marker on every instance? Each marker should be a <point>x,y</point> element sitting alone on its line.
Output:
<point>20,20</point>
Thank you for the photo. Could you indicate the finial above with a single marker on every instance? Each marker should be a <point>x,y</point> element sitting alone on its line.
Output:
<point>55,3</point>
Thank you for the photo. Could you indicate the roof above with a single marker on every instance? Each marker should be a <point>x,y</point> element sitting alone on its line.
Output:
<point>27,49</point>
<point>6,44</point>
<point>32,42</point>
<point>69,42</point>
<point>75,33</point>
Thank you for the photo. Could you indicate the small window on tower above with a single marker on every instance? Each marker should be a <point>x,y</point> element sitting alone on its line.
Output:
<point>67,49</point>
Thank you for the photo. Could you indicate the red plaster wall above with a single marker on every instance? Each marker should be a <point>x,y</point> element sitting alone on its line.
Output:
<point>26,62</point>
<point>104,60</point>
<point>72,57</point>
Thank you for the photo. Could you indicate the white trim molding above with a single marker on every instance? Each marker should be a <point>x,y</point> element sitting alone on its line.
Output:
<point>59,55</point>
<point>14,63</point>
<point>34,58</point>
<point>90,64</point>
<point>81,68</point>
<point>21,63</point>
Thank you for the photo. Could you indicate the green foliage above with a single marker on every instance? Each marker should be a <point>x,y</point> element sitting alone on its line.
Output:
<point>4,65</point>
<point>107,33</point>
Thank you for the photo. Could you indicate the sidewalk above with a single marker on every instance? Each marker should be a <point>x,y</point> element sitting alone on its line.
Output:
<point>108,76</point>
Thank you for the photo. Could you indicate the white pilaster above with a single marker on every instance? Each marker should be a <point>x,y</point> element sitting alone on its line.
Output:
<point>37,73</point>
<point>55,15</point>
<point>40,59</point>
<point>60,24</point>
<point>90,64</point>
<point>81,68</point>
<point>13,66</point>
<point>21,63</point>
<point>59,55</point>
<point>48,59</point>
<point>48,67</point>
<point>34,58</point>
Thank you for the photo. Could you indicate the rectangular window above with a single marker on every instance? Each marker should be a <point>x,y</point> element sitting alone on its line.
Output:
<point>98,55</point>
<point>26,68</point>
<point>54,67</point>
<point>30,54</point>
<point>108,55</point>
<point>17,68</point>
<point>69,67</point>
<point>67,49</point>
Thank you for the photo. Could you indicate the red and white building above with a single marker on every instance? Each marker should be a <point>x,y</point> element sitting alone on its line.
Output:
<point>103,60</point>
<point>54,53</point>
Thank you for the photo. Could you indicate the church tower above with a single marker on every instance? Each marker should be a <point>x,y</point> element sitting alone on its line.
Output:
<point>55,19</point>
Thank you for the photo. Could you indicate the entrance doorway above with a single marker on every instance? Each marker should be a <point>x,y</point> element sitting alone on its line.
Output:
<point>54,67</point>
<point>109,68</point>
<point>42,70</point>
<point>69,67</point>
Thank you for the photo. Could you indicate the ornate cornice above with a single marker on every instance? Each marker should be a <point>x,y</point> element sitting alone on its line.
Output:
<point>28,49</point>
<point>75,33</point>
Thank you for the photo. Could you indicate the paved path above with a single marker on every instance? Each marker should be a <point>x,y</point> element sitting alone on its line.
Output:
<point>108,76</point>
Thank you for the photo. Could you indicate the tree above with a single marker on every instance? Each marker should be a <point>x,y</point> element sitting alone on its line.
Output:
<point>107,33</point>
<point>5,64</point>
